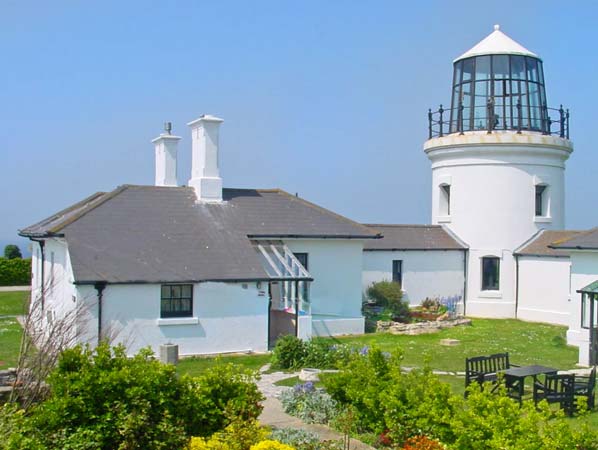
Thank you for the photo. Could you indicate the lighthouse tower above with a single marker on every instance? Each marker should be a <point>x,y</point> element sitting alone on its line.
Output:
<point>498,157</point>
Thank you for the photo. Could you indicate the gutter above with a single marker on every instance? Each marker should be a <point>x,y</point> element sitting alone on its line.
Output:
<point>99,287</point>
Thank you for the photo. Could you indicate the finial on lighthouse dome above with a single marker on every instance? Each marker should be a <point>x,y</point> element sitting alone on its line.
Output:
<point>497,43</point>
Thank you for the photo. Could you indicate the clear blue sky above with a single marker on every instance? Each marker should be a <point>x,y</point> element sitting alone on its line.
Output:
<point>324,98</point>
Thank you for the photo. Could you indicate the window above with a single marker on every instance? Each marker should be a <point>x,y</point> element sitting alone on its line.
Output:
<point>445,200</point>
<point>176,300</point>
<point>540,201</point>
<point>490,274</point>
<point>397,271</point>
<point>303,258</point>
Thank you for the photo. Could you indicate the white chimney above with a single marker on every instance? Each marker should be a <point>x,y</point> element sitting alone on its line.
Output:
<point>205,170</point>
<point>166,157</point>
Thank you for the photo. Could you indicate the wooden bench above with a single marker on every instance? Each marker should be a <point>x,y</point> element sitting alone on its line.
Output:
<point>482,369</point>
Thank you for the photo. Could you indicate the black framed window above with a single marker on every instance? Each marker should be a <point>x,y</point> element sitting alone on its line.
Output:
<point>176,300</point>
<point>397,271</point>
<point>490,274</point>
<point>540,210</point>
<point>303,258</point>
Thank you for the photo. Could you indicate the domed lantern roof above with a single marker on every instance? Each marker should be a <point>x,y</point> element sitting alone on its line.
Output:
<point>497,43</point>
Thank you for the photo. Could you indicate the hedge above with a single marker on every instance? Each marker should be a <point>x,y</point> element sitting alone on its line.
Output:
<point>15,272</point>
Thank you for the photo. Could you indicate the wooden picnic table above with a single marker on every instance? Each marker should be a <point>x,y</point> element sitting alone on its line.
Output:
<point>515,378</point>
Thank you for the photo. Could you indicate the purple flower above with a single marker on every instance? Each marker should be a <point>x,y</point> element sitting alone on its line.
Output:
<point>364,350</point>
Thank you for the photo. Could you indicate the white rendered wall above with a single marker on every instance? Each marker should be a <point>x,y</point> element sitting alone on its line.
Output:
<point>430,274</point>
<point>544,290</point>
<point>226,318</point>
<point>336,266</point>
<point>492,205</point>
<point>59,292</point>
<point>584,270</point>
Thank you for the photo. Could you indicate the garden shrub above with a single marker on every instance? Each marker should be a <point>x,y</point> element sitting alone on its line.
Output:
<point>388,294</point>
<point>102,399</point>
<point>309,404</point>
<point>15,272</point>
<point>222,393</point>
<point>296,437</point>
<point>271,445</point>
<point>422,443</point>
<point>289,353</point>
<point>238,435</point>
<point>401,407</point>
<point>360,384</point>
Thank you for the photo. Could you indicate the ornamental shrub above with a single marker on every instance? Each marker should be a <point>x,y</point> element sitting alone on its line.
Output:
<point>101,399</point>
<point>12,251</point>
<point>309,404</point>
<point>361,383</point>
<point>15,272</point>
<point>388,294</point>
<point>238,435</point>
<point>289,353</point>
<point>296,437</point>
<point>271,445</point>
<point>223,393</point>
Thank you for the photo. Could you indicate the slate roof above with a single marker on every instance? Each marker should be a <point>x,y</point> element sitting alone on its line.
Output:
<point>150,234</point>
<point>413,237</point>
<point>540,243</point>
<point>586,240</point>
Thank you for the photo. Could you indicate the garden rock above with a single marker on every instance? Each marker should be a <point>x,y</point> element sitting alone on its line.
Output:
<point>420,327</point>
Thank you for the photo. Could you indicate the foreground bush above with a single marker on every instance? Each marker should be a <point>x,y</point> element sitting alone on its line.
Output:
<point>415,408</point>
<point>15,272</point>
<point>101,399</point>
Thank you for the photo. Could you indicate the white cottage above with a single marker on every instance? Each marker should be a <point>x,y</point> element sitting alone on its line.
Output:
<point>583,324</point>
<point>210,269</point>
<point>427,260</point>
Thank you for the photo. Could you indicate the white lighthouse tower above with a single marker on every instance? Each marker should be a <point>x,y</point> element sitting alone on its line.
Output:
<point>498,165</point>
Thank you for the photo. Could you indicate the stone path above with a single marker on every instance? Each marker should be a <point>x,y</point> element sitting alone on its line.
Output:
<point>14,288</point>
<point>274,416</point>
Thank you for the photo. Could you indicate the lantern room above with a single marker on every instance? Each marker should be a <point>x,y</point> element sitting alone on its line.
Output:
<point>498,85</point>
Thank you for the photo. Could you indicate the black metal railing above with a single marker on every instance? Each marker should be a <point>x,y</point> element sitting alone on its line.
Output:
<point>488,118</point>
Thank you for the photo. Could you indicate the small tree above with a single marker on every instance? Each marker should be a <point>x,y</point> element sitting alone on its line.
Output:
<point>12,251</point>
<point>388,294</point>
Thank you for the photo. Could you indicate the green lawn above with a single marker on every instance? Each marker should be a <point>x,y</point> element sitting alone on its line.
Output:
<point>10,342</point>
<point>527,343</point>
<point>13,303</point>
<point>195,366</point>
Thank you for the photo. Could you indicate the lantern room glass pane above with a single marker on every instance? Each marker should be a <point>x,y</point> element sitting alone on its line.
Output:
<point>518,67</point>
<point>482,68</point>
<point>468,65</point>
<point>500,66</point>
<point>532,69</point>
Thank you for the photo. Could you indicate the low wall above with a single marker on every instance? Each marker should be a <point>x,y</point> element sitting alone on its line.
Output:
<point>419,327</point>
<point>323,326</point>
